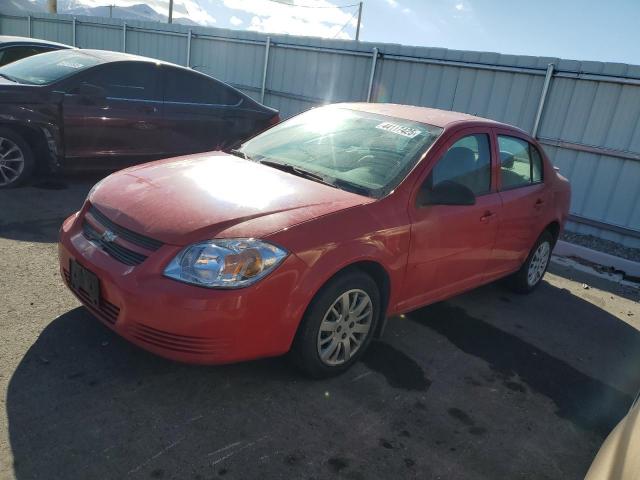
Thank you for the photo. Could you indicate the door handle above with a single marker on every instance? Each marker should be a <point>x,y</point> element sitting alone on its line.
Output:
<point>539,203</point>
<point>148,109</point>
<point>488,215</point>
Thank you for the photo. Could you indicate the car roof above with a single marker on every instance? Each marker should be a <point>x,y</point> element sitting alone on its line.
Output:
<point>107,56</point>
<point>431,116</point>
<point>10,39</point>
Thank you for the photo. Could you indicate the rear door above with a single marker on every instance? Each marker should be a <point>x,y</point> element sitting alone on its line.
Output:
<point>451,245</point>
<point>126,122</point>
<point>524,197</point>
<point>201,114</point>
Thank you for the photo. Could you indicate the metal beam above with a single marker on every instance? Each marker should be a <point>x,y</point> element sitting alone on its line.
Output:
<point>124,36</point>
<point>28,25</point>
<point>372,73</point>
<point>73,32</point>
<point>264,69</point>
<point>359,20</point>
<point>630,232</point>
<point>543,98</point>
<point>581,147</point>
<point>189,48</point>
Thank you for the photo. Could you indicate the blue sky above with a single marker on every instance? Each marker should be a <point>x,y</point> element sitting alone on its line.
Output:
<point>575,29</point>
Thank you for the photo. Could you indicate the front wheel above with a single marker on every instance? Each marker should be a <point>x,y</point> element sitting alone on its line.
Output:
<point>530,274</point>
<point>16,159</point>
<point>337,326</point>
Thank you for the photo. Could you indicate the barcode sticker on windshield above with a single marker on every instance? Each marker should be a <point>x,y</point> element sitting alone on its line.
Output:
<point>399,129</point>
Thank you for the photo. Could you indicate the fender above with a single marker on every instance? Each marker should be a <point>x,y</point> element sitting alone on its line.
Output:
<point>39,113</point>
<point>376,232</point>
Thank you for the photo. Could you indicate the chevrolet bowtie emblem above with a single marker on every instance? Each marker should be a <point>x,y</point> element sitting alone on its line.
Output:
<point>108,236</point>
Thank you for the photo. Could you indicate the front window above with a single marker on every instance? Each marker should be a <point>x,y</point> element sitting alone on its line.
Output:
<point>48,67</point>
<point>371,153</point>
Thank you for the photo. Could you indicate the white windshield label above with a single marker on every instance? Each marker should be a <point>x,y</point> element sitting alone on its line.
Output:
<point>70,64</point>
<point>399,129</point>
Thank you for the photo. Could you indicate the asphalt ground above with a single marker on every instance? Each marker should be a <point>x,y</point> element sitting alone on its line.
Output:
<point>488,385</point>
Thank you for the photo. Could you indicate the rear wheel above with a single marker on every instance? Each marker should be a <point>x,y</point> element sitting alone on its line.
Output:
<point>16,159</point>
<point>530,274</point>
<point>337,326</point>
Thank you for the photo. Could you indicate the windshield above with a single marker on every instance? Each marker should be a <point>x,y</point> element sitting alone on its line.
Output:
<point>369,151</point>
<point>48,67</point>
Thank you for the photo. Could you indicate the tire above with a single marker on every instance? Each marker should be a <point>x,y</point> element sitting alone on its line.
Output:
<point>312,347</point>
<point>535,266</point>
<point>19,164</point>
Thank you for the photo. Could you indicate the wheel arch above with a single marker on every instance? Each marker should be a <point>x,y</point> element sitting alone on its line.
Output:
<point>554,229</point>
<point>379,275</point>
<point>36,140</point>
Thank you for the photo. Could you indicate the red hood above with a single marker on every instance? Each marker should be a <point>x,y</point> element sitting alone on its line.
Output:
<point>187,199</point>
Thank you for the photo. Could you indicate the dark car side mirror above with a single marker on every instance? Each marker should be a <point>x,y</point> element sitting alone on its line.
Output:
<point>90,91</point>
<point>446,193</point>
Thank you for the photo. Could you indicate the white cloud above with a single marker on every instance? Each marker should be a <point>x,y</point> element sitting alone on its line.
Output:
<point>235,21</point>
<point>295,19</point>
<point>392,3</point>
<point>460,7</point>
<point>406,10</point>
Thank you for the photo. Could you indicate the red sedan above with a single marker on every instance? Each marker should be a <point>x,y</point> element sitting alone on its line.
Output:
<point>312,233</point>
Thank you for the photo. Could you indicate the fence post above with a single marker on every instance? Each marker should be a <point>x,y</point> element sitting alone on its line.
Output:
<point>267,46</point>
<point>28,25</point>
<point>124,37</point>
<point>543,98</point>
<point>73,32</point>
<point>189,48</point>
<point>372,74</point>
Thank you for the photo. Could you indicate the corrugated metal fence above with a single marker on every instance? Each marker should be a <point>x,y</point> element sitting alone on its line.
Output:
<point>587,114</point>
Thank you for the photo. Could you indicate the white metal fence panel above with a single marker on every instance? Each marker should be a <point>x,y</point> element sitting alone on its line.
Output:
<point>589,122</point>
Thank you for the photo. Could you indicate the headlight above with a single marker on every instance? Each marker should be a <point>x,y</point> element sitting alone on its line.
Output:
<point>232,263</point>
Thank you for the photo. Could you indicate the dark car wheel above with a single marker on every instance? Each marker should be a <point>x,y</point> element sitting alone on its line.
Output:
<point>338,325</point>
<point>16,159</point>
<point>530,274</point>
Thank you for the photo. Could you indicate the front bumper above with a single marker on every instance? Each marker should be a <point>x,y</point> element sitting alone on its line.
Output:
<point>183,322</point>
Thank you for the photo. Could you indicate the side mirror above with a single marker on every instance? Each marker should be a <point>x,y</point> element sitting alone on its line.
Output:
<point>90,91</point>
<point>447,193</point>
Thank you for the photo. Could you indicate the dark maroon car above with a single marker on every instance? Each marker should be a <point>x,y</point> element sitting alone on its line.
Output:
<point>97,109</point>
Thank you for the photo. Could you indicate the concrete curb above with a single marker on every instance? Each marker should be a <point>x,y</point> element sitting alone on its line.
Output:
<point>566,249</point>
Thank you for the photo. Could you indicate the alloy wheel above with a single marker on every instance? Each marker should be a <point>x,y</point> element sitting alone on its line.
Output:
<point>345,327</point>
<point>11,161</point>
<point>538,263</point>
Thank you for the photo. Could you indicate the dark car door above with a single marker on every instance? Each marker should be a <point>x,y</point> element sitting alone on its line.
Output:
<point>201,114</point>
<point>114,110</point>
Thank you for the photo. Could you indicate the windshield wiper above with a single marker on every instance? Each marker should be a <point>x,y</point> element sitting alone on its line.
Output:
<point>238,153</point>
<point>9,77</point>
<point>316,177</point>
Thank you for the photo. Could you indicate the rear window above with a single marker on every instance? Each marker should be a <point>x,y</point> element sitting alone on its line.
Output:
<point>48,67</point>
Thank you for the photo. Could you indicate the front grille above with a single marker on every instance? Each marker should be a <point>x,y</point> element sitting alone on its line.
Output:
<point>107,312</point>
<point>117,251</point>
<point>130,236</point>
<point>178,343</point>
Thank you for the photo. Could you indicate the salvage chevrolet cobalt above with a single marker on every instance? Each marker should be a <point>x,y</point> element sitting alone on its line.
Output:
<point>308,236</point>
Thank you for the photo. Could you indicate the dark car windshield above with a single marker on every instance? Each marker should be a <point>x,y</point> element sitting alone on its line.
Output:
<point>48,67</point>
<point>346,147</point>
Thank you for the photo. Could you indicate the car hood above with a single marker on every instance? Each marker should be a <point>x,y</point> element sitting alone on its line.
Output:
<point>213,195</point>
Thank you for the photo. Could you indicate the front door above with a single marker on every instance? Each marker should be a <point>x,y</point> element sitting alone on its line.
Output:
<point>451,244</point>
<point>125,120</point>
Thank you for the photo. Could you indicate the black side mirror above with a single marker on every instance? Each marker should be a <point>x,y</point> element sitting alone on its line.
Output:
<point>446,193</point>
<point>90,91</point>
